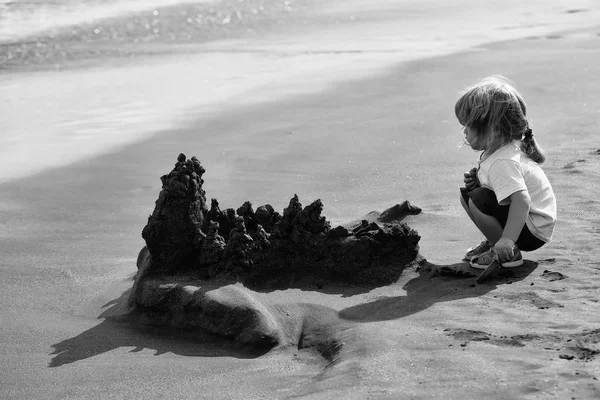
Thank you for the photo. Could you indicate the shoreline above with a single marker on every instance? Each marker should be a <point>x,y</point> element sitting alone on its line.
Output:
<point>250,109</point>
<point>70,119</point>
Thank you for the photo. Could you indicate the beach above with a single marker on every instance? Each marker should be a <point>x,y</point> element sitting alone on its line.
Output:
<point>362,131</point>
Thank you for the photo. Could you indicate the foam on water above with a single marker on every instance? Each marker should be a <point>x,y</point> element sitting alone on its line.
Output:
<point>57,118</point>
<point>20,19</point>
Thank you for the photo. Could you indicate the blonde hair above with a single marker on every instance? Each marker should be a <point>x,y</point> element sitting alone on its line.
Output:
<point>498,114</point>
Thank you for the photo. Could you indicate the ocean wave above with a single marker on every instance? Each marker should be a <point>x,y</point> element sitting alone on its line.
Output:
<point>22,18</point>
<point>145,31</point>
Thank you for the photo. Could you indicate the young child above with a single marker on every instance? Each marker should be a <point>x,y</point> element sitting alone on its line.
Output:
<point>507,196</point>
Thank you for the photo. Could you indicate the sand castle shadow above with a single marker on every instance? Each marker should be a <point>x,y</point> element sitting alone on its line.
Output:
<point>119,329</point>
<point>435,283</point>
<point>310,285</point>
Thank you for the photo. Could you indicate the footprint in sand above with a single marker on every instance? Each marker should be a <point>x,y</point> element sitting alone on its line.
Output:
<point>466,335</point>
<point>532,298</point>
<point>552,276</point>
<point>578,346</point>
<point>572,165</point>
<point>582,346</point>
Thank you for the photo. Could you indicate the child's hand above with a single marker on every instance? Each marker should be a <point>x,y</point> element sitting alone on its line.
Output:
<point>504,249</point>
<point>470,179</point>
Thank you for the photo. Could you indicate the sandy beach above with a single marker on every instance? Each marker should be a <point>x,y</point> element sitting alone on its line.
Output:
<point>70,235</point>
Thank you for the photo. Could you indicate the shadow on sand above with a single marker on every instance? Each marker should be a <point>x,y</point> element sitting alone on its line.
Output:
<point>435,283</point>
<point>310,285</point>
<point>120,329</point>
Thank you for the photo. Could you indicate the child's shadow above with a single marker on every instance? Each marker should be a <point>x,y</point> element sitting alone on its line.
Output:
<point>120,329</point>
<point>435,283</point>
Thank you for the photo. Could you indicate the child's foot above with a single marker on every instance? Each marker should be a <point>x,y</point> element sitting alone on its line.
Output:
<point>478,250</point>
<point>482,261</point>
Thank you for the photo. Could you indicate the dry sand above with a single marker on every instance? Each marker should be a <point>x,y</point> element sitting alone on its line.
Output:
<point>70,236</point>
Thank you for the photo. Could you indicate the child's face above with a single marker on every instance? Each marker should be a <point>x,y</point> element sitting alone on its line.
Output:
<point>471,137</point>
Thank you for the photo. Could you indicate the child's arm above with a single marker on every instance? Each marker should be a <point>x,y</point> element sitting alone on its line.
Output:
<point>517,214</point>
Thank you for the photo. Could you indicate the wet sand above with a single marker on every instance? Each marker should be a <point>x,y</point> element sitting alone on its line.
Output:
<point>70,237</point>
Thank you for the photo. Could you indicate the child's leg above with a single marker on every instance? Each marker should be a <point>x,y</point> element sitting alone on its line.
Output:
<point>464,201</point>
<point>465,205</point>
<point>490,218</point>
<point>488,225</point>
<point>487,214</point>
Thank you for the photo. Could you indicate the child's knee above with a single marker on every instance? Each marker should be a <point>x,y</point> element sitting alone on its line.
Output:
<point>483,199</point>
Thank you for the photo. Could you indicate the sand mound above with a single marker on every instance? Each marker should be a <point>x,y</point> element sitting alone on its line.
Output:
<point>191,270</point>
<point>248,318</point>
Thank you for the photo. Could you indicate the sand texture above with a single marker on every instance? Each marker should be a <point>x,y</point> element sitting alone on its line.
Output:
<point>70,236</point>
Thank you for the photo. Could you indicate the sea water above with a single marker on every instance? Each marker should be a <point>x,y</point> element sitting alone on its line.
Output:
<point>23,18</point>
<point>80,78</point>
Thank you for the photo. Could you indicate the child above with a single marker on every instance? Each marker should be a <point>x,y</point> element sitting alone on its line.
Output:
<point>507,196</point>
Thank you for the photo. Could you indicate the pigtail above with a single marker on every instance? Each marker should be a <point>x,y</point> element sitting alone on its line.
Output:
<point>530,147</point>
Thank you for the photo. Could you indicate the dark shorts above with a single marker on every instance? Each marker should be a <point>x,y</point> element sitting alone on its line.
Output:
<point>485,201</point>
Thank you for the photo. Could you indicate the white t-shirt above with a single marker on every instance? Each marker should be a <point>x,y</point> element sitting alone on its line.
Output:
<point>508,170</point>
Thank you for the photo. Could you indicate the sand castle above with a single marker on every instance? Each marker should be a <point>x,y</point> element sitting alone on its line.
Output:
<point>194,255</point>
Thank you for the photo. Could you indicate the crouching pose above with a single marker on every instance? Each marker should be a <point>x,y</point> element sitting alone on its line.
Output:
<point>507,196</point>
